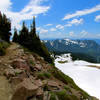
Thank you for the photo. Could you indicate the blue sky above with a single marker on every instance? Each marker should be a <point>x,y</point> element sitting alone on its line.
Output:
<point>56,18</point>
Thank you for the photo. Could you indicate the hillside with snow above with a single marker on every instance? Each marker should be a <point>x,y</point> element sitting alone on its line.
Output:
<point>85,74</point>
<point>87,50</point>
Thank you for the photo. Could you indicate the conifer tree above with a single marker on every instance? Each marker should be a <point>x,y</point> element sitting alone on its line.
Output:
<point>5,27</point>
<point>23,36</point>
<point>15,37</point>
<point>33,28</point>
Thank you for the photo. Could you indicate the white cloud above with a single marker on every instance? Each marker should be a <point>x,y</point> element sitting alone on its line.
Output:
<point>74,22</point>
<point>97,18</point>
<point>59,26</point>
<point>53,29</point>
<point>82,12</point>
<point>5,5</point>
<point>33,8</point>
<point>42,31</point>
<point>83,33</point>
<point>38,28</point>
<point>48,25</point>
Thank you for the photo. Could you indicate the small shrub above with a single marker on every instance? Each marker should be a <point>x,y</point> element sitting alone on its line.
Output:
<point>62,95</point>
<point>62,62</point>
<point>17,73</point>
<point>53,96</point>
<point>3,46</point>
<point>67,88</point>
<point>31,62</point>
<point>44,75</point>
<point>47,74</point>
<point>2,51</point>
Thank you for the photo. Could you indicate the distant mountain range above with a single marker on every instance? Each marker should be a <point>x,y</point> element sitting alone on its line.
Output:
<point>80,49</point>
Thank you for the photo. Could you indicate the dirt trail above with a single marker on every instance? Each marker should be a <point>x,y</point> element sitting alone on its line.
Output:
<point>5,86</point>
<point>12,52</point>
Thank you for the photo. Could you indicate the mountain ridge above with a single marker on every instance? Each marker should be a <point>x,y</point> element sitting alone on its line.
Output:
<point>84,47</point>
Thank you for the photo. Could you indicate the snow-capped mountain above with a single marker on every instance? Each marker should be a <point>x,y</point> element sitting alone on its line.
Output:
<point>86,47</point>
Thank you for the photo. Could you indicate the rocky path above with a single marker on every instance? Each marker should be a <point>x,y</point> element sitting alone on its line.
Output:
<point>5,87</point>
<point>11,53</point>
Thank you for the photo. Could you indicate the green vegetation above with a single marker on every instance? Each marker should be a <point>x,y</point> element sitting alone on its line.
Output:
<point>3,46</point>
<point>67,88</point>
<point>31,62</point>
<point>53,96</point>
<point>43,75</point>
<point>83,56</point>
<point>80,56</point>
<point>62,95</point>
<point>62,62</point>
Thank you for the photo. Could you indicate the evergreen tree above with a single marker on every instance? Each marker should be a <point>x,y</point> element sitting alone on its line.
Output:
<point>33,28</point>
<point>5,27</point>
<point>15,37</point>
<point>36,45</point>
<point>23,36</point>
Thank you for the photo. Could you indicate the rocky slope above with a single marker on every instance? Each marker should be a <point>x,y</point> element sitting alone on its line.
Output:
<point>26,76</point>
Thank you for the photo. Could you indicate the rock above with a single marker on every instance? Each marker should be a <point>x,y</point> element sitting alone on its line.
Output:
<point>38,83</point>
<point>38,62</point>
<point>45,82</point>
<point>34,98</point>
<point>9,73</point>
<point>46,95</point>
<point>20,64</point>
<point>25,90</point>
<point>5,89</point>
<point>38,67</point>
<point>18,71</point>
<point>40,92</point>
<point>52,85</point>
<point>16,80</point>
<point>31,57</point>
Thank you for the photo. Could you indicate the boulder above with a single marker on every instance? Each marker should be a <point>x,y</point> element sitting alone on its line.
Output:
<point>20,64</point>
<point>5,89</point>
<point>25,90</point>
<point>52,85</point>
<point>9,73</point>
<point>38,83</point>
<point>46,95</point>
<point>38,67</point>
<point>40,92</point>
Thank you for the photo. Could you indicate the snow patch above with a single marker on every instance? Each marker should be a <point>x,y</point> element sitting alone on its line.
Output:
<point>85,77</point>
